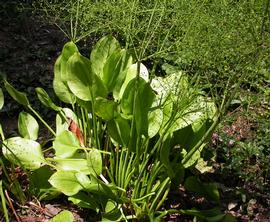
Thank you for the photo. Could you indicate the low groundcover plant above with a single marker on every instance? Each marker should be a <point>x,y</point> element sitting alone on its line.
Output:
<point>121,141</point>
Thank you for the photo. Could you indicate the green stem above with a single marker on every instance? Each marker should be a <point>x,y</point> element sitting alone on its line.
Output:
<point>42,120</point>
<point>76,21</point>
<point>84,124</point>
<point>2,133</point>
<point>201,141</point>
<point>49,164</point>
<point>46,150</point>
<point>133,125</point>
<point>94,122</point>
<point>5,171</point>
<point>162,190</point>
<point>101,151</point>
<point>144,197</point>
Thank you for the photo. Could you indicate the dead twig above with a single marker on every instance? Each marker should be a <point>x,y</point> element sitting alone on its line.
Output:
<point>12,208</point>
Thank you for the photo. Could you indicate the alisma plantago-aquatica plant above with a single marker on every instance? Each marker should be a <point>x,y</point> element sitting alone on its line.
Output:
<point>121,140</point>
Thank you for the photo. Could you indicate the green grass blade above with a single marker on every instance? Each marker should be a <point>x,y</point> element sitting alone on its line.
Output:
<point>3,199</point>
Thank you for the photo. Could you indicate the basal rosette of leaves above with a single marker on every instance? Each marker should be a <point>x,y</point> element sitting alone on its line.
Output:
<point>121,140</point>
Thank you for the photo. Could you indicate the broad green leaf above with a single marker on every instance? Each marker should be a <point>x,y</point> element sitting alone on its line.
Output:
<point>60,86</point>
<point>27,125</point>
<point>143,103</point>
<point>1,98</point>
<point>39,185</point>
<point>127,100</point>
<point>187,116</point>
<point>114,133</point>
<point>167,109</point>
<point>174,95</point>
<point>46,100</point>
<point>66,182</point>
<point>189,136</point>
<point>62,123</point>
<point>63,216</point>
<point>68,50</point>
<point>79,76</point>
<point>85,104</point>
<point>20,97</point>
<point>85,201</point>
<point>190,160</point>
<point>81,81</point>
<point>179,173</point>
<point>101,52</point>
<point>115,70</point>
<point>203,167</point>
<point>144,99</point>
<point>83,179</point>
<point>126,62</point>
<point>66,144</point>
<point>110,206</point>
<point>27,152</point>
<point>132,73</point>
<point>111,70</point>
<point>98,87</point>
<point>182,137</point>
<point>199,128</point>
<point>105,108</point>
<point>155,118</point>
<point>119,130</point>
<point>72,164</point>
<point>192,184</point>
<point>94,162</point>
<point>165,157</point>
<point>101,189</point>
<point>211,191</point>
<point>175,84</point>
<point>112,212</point>
<point>196,114</point>
<point>69,113</point>
<point>208,190</point>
